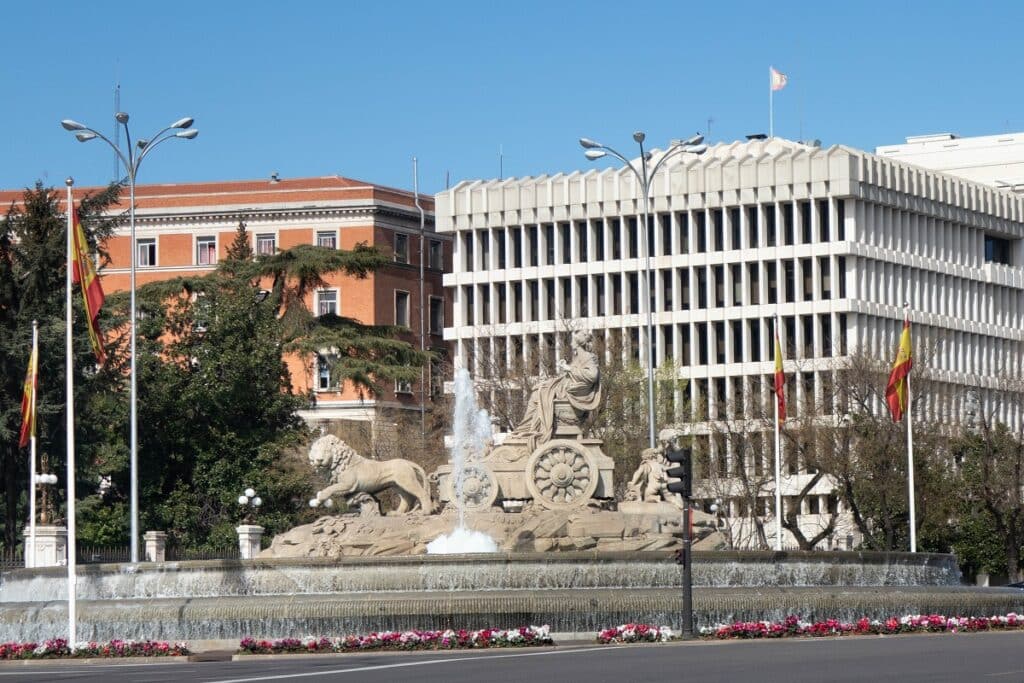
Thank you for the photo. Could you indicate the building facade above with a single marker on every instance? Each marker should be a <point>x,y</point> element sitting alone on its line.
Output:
<point>832,241</point>
<point>996,160</point>
<point>185,228</point>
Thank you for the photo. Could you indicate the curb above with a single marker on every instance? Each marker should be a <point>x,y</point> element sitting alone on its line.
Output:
<point>76,661</point>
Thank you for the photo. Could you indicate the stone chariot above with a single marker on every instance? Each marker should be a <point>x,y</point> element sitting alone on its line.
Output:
<point>561,473</point>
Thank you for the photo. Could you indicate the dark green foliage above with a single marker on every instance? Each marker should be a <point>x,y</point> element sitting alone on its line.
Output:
<point>32,275</point>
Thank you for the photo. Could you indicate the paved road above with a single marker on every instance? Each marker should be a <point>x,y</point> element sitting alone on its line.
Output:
<point>988,657</point>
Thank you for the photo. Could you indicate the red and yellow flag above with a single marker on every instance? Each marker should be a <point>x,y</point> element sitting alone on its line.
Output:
<point>28,400</point>
<point>92,291</point>
<point>896,389</point>
<point>780,378</point>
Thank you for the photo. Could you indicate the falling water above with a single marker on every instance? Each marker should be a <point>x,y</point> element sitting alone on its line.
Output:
<point>471,430</point>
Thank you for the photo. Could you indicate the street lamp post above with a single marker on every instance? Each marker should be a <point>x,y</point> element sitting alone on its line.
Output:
<point>644,175</point>
<point>132,157</point>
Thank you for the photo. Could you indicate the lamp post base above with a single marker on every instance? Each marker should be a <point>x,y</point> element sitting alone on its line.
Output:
<point>249,536</point>
<point>51,547</point>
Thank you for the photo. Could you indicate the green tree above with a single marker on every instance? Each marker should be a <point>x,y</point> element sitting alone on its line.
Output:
<point>217,412</point>
<point>32,275</point>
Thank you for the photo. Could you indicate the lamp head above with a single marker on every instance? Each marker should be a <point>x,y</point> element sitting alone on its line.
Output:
<point>639,136</point>
<point>121,117</point>
<point>183,123</point>
<point>594,154</point>
<point>697,149</point>
<point>587,143</point>
<point>142,144</point>
<point>85,136</point>
<point>257,501</point>
<point>695,140</point>
<point>250,493</point>
<point>187,134</point>
<point>242,500</point>
<point>69,124</point>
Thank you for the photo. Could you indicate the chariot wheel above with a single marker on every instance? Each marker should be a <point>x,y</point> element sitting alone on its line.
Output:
<point>479,487</point>
<point>560,474</point>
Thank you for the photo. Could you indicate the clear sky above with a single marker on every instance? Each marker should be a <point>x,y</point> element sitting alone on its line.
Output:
<point>359,87</point>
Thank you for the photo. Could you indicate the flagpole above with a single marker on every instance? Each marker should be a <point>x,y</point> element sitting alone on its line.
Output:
<point>31,560</point>
<point>910,461</point>
<point>771,106</point>
<point>778,462</point>
<point>69,411</point>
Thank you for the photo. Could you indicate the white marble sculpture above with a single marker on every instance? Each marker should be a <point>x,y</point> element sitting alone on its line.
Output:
<point>351,473</point>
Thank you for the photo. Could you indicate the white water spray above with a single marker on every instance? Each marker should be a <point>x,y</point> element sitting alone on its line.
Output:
<point>471,431</point>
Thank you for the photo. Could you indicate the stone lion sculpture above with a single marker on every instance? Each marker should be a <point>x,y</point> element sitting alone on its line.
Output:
<point>351,473</point>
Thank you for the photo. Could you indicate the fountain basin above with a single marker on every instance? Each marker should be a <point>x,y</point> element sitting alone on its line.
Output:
<point>572,592</point>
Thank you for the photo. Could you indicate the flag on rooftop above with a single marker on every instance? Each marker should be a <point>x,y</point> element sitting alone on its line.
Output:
<point>778,79</point>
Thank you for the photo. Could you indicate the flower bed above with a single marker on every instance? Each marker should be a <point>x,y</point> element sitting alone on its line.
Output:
<point>524,636</point>
<point>792,626</point>
<point>57,648</point>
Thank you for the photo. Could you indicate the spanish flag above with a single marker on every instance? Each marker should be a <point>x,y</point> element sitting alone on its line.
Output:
<point>92,292</point>
<point>28,399</point>
<point>896,390</point>
<point>780,377</point>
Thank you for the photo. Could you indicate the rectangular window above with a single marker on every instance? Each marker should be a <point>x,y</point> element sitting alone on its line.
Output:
<point>754,334</point>
<point>616,294</point>
<point>702,288</point>
<point>752,235</point>
<point>266,245</point>
<point>401,248</point>
<point>206,251</point>
<point>436,315</point>
<point>634,293</point>
<point>770,231</point>
<point>327,239</point>
<point>485,250</point>
<point>788,221</point>
<point>718,272</point>
<point>823,221</point>
<point>501,296</point>
<point>666,288</point>
<point>327,302</point>
<point>997,250</point>
<point>145,254</point>
<point>581,242</point>
<point>736,272</point>
<point>771,272</point>
<point>549,244</point>
<point>469,307</point>
<point>806,270</point>
<point>583,292</point>
<point>789,273</point>
<point>735,228</point>
<point>485,304</point>
<point>436,255</point>
<point>702,232</point>
<point>616,237</point>
<point>533,240</point>
<point>666,233</point>
<point>598,240</point>
<point>683,223</point>
<point>499,242</point>
<point>631,240</point>
<point>717,219</point>
<point>841,276</point>
<point>323,373</point>
<point>805,222</point>
<point>755,283</point>
<point>826,277</point>
<point>403,386</point>
<point>599,294</point>
<point>517,247</point>
<point>565,236</point>
<point>684,289</point>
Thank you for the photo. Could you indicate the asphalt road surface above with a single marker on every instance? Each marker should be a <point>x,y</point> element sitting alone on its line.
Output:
<point>982,657</point>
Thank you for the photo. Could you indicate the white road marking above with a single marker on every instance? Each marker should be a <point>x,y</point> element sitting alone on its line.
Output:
<point>380,667</point>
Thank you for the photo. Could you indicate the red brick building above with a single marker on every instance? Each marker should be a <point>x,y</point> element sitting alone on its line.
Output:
<point>186,228</point>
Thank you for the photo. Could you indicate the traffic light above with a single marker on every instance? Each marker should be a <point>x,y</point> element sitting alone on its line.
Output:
<point>684,472</point>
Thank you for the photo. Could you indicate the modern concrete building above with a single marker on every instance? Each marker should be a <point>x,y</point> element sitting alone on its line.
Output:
<point>996,160</point>
<point>834,241</point>
<point>184,228</point>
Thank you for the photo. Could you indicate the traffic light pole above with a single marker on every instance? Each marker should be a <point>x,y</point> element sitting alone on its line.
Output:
<point>687,633</point>
<point>683,457</point>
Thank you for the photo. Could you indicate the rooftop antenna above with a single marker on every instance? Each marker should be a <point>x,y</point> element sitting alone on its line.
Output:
<point>708,134</point>
<point>501,162</point>
<point>447,175</point>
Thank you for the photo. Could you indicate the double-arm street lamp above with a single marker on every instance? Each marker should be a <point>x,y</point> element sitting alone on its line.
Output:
<point>644,175</point>
<point>132,157</point>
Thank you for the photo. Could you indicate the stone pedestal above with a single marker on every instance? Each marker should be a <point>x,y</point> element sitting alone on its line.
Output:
<point>156,546</point>
<point>249,536</point>
<point>51,547</point>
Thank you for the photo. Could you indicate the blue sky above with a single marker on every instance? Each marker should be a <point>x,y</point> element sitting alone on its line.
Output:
<point>359,88</point>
